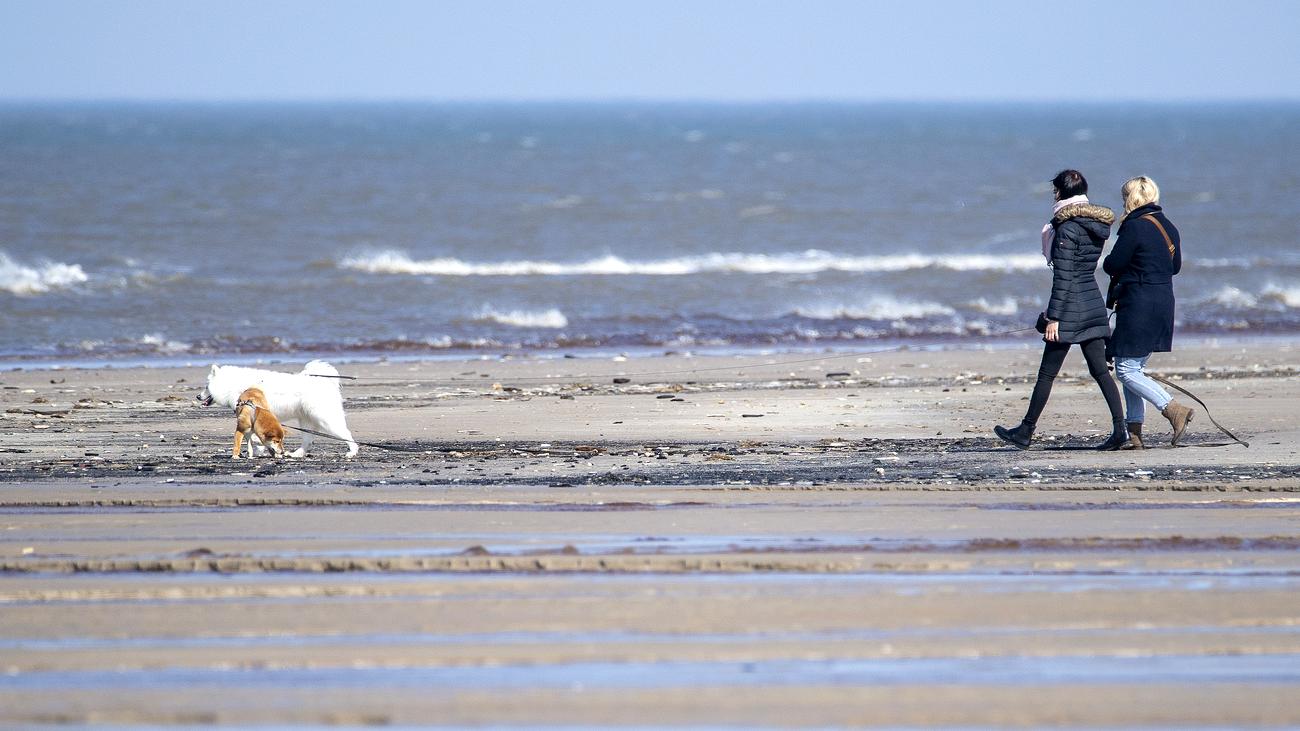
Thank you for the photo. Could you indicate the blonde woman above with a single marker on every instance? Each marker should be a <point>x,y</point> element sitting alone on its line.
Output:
<point>1142,265</point>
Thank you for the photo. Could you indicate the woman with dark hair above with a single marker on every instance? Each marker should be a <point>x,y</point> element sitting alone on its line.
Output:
<point>1148,253</point>
<point>1076,312</point>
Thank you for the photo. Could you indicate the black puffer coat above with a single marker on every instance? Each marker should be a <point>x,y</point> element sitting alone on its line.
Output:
<point>1080,232</point>
<point>1144,311</point>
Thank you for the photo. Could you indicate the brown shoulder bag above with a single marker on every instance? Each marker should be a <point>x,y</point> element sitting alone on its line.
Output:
<point>1112,290</point>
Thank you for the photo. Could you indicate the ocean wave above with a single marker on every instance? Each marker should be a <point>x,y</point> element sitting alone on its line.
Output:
<point>1225,263</point>
<point>1008,306</point>
<point>880,308</point>
<point>1271,297</point>
<point>1278,259</point>
<point>21,279</point>
<point>1233,298</point>
<point>151,344</point>
<point>1288,296</point>
<point>811,261</point>
<point>161,344</point>
<point>551,319</point>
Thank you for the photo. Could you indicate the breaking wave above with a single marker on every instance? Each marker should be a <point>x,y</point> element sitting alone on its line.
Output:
<point>1288,296</point>
<point>21,279</point>
<point>163,345</point>
<point>551,319</point>
<point>811,261</point>
<point>1271,297</point>
<point>881,308</point>
<point>1233,298</point>
<point>151,344</point>
<point>1008,306</point>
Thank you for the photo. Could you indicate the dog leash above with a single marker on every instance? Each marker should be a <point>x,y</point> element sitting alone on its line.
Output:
<point>835,356</point>
<point>389,447</point>
<point>1195,398</point>
<point>1177,387</point>
<point>254,406</point>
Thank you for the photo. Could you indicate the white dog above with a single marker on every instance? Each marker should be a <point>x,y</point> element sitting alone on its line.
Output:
<point>313,401</point>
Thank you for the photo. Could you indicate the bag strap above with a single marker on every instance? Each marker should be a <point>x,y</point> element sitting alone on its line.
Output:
<point>1168,242</point>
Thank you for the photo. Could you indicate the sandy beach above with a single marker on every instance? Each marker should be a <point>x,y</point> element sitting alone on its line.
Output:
<point>676,540</point>
<point>674,338</point>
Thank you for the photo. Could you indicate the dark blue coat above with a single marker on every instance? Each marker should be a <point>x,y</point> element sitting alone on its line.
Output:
<point>1076,303</point>
<point>1144,310</point>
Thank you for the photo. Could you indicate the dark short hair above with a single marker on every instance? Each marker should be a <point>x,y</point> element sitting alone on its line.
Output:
<point>1070,183</point>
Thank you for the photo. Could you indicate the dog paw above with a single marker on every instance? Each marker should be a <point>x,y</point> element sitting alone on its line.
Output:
<point>236,457</point>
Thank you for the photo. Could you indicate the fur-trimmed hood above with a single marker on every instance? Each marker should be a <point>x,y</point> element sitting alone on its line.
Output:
<point>1084,210</point>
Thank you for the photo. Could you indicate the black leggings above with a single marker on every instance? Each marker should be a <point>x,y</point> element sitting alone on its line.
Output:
<point>1094,351</point>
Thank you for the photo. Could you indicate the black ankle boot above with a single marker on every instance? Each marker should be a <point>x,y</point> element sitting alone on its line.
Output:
<point>1020,437</point>
<point>1118,438</point>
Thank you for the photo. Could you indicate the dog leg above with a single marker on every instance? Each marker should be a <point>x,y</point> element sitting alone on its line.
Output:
<point>306,444</point>
<point>335,423</point>
<point>239,442</point>
<point>352,445</point>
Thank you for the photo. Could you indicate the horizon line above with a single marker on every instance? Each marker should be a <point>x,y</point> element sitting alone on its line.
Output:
<point>677,100</point>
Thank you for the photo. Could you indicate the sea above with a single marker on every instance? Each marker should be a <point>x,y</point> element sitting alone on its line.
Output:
<point>167,233</point>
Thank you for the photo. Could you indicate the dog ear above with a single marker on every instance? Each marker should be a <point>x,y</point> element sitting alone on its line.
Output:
<point>213,371</point>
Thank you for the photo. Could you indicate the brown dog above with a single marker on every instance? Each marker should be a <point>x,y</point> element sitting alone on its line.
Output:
<point>252,416</point>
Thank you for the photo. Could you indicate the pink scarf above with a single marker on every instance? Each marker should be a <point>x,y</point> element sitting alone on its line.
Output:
<point>1047,230</point>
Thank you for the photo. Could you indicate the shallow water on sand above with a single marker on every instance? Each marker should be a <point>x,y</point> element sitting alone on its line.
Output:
<point>979,671</point>
<point>1159,618</point>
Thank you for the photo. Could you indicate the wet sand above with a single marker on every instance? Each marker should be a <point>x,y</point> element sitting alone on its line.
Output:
<point>544,545</point>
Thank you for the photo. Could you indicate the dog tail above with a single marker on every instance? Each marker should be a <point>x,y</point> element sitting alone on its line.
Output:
<point>319,368</point>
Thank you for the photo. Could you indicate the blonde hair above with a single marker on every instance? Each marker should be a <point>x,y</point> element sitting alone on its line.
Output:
<point>1138,192</point>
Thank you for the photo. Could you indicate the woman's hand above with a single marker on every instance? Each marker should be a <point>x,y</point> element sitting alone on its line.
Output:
<point>1053,332</point>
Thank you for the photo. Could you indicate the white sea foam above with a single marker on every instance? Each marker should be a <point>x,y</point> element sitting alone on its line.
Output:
<point>1288,295</point>
<point>552,318</point>
<point>1007,306</point>
<point>807,262</point>
<point>163,345</point>
<point>1231,263</point>
<point>568,201</point>
<point>1234,298</point>
<point>21,279</point>
<point>707,194</point>
<point>1272,296</point>
<point>763,210</point>
<point>879,308</point>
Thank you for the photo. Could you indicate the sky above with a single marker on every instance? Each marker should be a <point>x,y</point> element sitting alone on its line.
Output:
<point>718,50</point>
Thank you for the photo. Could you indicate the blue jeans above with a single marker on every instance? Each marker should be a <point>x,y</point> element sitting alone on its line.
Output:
<point>1138,388</point>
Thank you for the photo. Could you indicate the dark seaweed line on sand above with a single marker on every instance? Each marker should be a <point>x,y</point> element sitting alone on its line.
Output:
<point>184,504</point>
<point>852,476</point>
<point>795,557</point>
<point>871,463</point>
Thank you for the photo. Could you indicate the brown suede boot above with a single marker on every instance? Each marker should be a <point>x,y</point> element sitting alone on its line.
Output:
<point>1179,417</point>
<point>1134,436</point>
